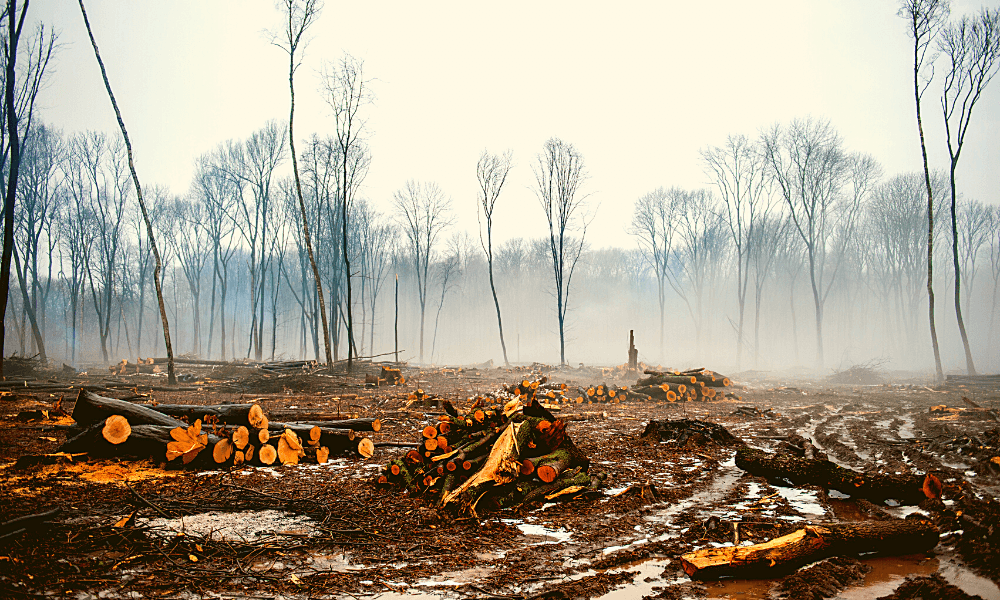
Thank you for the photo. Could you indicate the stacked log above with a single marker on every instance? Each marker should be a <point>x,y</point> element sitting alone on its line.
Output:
<point>234,433</point>
<point>679,386</point>
<point>549,393</point>
<point>499,456</point>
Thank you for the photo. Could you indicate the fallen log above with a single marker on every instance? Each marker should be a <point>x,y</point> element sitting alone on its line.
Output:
<point>809,544</point>
<point>365,424</point>
<point>143,441</point>
<point>231,414</point>
<point>906,488</point>
<point>91,408</point>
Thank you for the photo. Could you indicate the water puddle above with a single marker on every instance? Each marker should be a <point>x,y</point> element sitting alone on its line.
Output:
<point>541,534</point>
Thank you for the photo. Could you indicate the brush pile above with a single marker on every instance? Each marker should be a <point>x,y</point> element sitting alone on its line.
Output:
<point>225,435</point>
<point>691,385</point>
<point>493,457</point>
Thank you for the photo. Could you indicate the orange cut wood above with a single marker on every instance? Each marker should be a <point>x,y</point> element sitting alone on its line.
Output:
<point>116,429</point>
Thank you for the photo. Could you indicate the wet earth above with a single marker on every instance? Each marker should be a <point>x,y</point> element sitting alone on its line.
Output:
<point>137,530</point>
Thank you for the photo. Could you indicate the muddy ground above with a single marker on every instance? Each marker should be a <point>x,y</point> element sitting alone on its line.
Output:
<point>318,531</point>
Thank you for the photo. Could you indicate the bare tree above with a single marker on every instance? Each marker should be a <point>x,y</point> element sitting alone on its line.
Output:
<point>171,376</point>
<point>492,171</point>
<point>767,234</point>
<point>448,268</point>
<point>972,51</point>
<point>654,222</point>
<point>377,243</point>
<point>975,226</point>
<point>424,213</point>
<point>17,109</point>
<point>822,186</point>
<point>739,171</point>
<point>299,17</point>
<point>924,19</point>
<point>559,173</point>
<point>346,92</point>
<point>995,272</point>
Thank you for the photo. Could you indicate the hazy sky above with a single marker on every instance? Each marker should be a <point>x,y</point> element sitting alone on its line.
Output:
<point>638,87</point>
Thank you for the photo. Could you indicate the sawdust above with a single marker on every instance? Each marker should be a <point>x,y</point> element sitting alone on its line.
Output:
<point>83,473</point>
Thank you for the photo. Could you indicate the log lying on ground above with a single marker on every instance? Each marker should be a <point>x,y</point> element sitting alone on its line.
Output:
<point>906,488</point>
<point>248,415</point>
<point>364,424</point>
<point>688,432</point>
<point>815,542</point>
<point>143,441</point>
<point>91,408</point>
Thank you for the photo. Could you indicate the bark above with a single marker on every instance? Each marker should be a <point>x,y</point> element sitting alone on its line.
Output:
<point>905,488</point>
<point>92,409</point>
<point>145,441</point>
<point>785,554</point>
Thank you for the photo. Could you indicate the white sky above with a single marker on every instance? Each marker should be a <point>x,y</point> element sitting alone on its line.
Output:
<point>638,87</point>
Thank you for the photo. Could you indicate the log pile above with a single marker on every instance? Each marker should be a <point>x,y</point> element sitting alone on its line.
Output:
<point>216,436</point>
<point>691,385</point>
<point>497,457</point>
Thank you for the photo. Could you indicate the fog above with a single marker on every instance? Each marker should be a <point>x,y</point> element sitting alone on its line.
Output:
<point>684,221</point>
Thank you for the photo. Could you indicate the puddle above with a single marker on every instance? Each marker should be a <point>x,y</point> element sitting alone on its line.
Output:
<point>804,501</point>
<point>548,535</point>
<point>650,575</point>
<point>236,526</point>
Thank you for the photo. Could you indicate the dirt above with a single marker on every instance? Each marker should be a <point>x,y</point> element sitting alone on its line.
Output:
<point>326,531</point>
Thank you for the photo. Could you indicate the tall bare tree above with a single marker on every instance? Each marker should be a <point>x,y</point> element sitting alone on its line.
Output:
<point>559,173</point>
<point>17,109</point>
<point>654,223</point>
<point>492,171</point>
<point>822,186</point>
<point>924,19</point>
<point>739,171</point>
<point>346,92</point>
<point>171,375</point>
<point>424,213</point>
<point>971,48</point>
<point>299,17</point>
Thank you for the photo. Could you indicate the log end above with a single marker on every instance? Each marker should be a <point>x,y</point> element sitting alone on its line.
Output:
<point>116,429</point>
<point>366,448</point>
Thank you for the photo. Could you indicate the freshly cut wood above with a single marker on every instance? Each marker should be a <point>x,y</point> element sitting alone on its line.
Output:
<point>501,467</point>
<point>906,488</point>
<point>187,442</point>
<point>256,417</point>
<point>267,454</point>
<point>815,542</point>
<point>263,435</point>
<point>241,437</point>
<point>116,429</point>
<point>322,454</point>
<point>549,467</point>
<point>238,458</point>
<point>289,448</point>
<point>91,408</point>
<point>223,450</point>
<point>248,453</point>
<point>144,441</point>
<point>366,448</point>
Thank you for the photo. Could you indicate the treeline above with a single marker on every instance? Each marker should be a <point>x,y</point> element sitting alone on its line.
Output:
<point>713,278</point>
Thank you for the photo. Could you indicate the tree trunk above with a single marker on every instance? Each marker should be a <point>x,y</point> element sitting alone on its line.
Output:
<point>814,542</point>
<point>969,363</point>
<point>906,488</point>
<point>171,376</point>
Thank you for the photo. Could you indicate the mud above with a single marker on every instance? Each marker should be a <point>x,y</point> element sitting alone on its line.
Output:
<point>325,531</point>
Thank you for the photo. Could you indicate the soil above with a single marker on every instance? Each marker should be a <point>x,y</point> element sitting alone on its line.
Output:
<point>145,530</point>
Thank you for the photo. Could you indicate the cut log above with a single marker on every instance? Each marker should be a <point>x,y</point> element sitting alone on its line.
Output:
<point>815,542</point>
<point>241,437</point>
<point>366,448</point>
<point>289,448</point>
<point>322,454</point>
<point>267,454</point>
<point>366,424</point>
<point>91,408</point>
<point>906,488</point>
<point>231,414</point>
<point>553,464</point>
<point>144,441</point>
<point>223,450</point>
<point>116,429</point>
